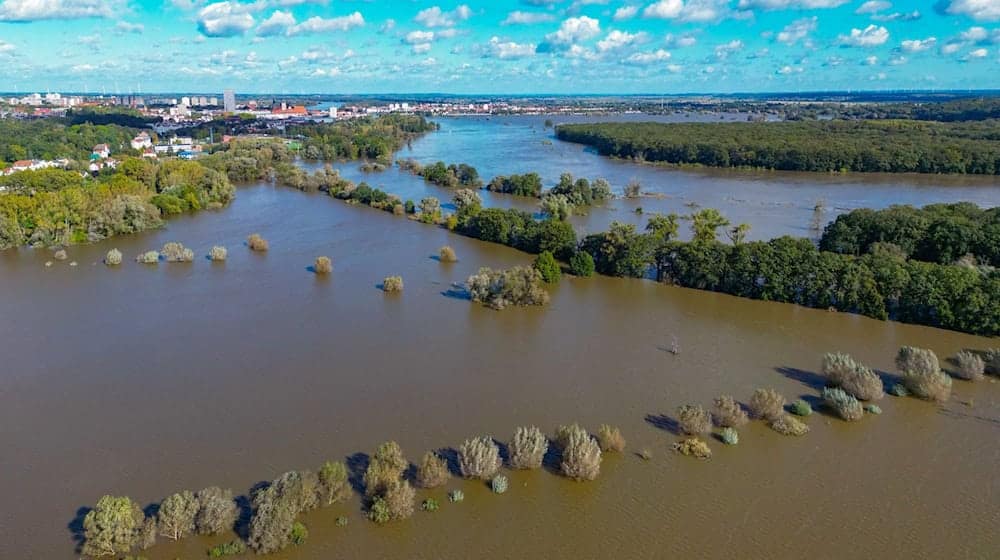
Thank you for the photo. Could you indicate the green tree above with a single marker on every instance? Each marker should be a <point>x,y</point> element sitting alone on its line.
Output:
<point>705,224</point>
<point>581,264</point>
<point>175,518</point>
<point>547,266</point>
<point>110,528</point>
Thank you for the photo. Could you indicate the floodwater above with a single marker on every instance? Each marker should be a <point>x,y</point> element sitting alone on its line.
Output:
<point>144,380</point>
<point>774,202</point>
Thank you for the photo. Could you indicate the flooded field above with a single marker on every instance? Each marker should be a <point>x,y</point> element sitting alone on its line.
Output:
<point>145,380</point>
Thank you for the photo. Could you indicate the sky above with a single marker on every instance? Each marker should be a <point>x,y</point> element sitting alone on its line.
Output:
<point>497,46</point>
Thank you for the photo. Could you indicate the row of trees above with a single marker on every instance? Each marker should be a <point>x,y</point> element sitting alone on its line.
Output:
<point>870,146</point>
<point>450,176</point>
<point>56,138</point>
<point>374,138</point>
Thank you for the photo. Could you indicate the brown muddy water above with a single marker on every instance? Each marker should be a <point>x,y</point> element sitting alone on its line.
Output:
<point>145,380</point>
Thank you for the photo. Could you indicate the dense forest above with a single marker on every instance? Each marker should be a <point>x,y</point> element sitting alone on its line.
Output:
<point>54,138</point>
<point>868,146</point>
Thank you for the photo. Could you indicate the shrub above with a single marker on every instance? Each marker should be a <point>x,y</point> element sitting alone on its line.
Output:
<point>801,408</point>
<point>147,534</point>
<point>497,289</point>
<point>341,521</point>
<point>693,447</point>
<point>767,404</point>
<point>433,471</point>
<point>970,366</point>
<point>873,409</point>
<point>693,420</point>
<point>175,518</point>
<point>257,243</point>
<point>479,458</point>
<point>846,406</point>
<point>581,264</point>
<point>922,374</point>
<point>60,255</point>
<point>447,254</point>
<point>836,366</point>
<point>729,436</point>
<point>917,361</point>
<point>113,258</point>
<point>899,390</point>
<point>398,210</point>
<point>231,548</point>
<point>456,496</point>
<point>430,504</point>
<point>323,265</point>
<point>527,448</point>
<point>789,425</point>
<point>299,534</point>
<point>333,484</point>
<point>992,359</point>
<point>387,465</point>
<point>217,511</point>
<point>843,371</point>
<point>379,511</point>
<point>392,284</point>
<point>632,189</point>
<point>581,456</point>
<point>610,439</point>
<point>399,496</point>
<point>547,267</point>
<point>176,252</point>
<point>499,484</point>
<point>149,257</point>
<point>218,253</point>
<point>728,413</point>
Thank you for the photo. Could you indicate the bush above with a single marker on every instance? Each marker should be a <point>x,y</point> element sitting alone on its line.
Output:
<point>299,534</point>
<point>386,466</point>
<point>217,511</point>
<point>789,425</point>
<point>499,484</point>
<point>527,448</point>
<point>398,497</point>
<point>333,484</point>
<point>610,439</point>
<point>581,456</point>
<point>992,359</point>
<point>693,420</point>
<point>433,471</point>
<point>969,366</point>
<point>801,408</point>
<point>323,265</point>
<point>60,255</point>
<point>873,409</point>
<point>693,447</point>
<point>728,413</point>
<point>257,243</point>
<point>767,404</point>
<point>846,406</point>
<point>843,371</point>
<point>218,253</point>
<point>379,511</point>
<point>430,504</point>
<point>113,258</point>
<point>497,289</point>
<point>149,257</point>
<point>392,284</point>
<point>479,458</point>
<point>447,254</point>
<point>581,264</point>
<point>341,522</point>
<point>729,436</point>
<point>632,189</point>
<point>456,496</point>
<point>899,390</point>
<point>176,252</point>
<point>922,374</point>
<point>917,361</point>
<point>547,267</point>
<point>231,548</point>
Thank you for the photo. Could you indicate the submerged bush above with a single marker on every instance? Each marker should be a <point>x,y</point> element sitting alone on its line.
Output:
<point>610,439</point>
<point>299,534</point>
<point>176,252</point>
<point>447,254</point>
<point>499,484</point>
<point>257,243</point>
<point>109,529</point>
<point>218,253</point>
<point>581,264</point>
<point>386,466</point>
<point>113,258</point>
<point>60,255</point>
<point>969,366</point>
<point>379,511</point>
<point>433,471</point>
<point>479,458</point>
<point>581,456</point>
<point>547,267</point>
<point>341,521</point>
<point>392,284</point>
<point>149,257</point>
<point>231,548</point>
<point>399,497</point>
<point>843,371</point>
<point>217,511</point>
<point>922,374</point>
<point>520,285</point>
<point>801,408</point>
<point>846,406</point>
<point>456,496</point>
<point>789,425</point>
<point>527,448</point>
<point>873,409</point>
<point>899,390</point>
<point>323,265</point>
<point>430,504</point>
<point>693,420</point>
<point>333,484</point>
<point>729,436</point>
<point>767,404</point>
<point>693,447</point>
<point>728,413</point>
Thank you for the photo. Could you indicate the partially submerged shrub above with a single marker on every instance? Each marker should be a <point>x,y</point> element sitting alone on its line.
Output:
<point>520,285</point>
<point>992,359</point>
<point>581,456</point>
<point>645,454</point>
<point>917,361</point>
<point>789,425</point>
<point>693,447</point>
<point>456,496</point>
<point>257,243</point>
<point>60,255</point>
<point>873,409</point>
<point>899,390</point>
<point>499,484</point>
<point>323,265</point>
<point>846,406</point>
<point>527,448</point>
<point>729,436</point>
<point>333,484</point>
<point>693,420</point>
<point>801,408</point>
<point>299,534</point>
<point>386,466</point>
<point>341,521</point>
<point>399,496</point>
<point>922,374</point>
<point>969,366</point>
<point>231,548</point>
<point>113,258</point>
<point>767,404</point>
<point>176,252</point>
<point>447,254</point>
<point>379,511</point>
<point>218,253</point>
<point>610,439</point>
<point>843,371</point>
<point>392,284</point>
<point>479,458</point>
<point>109,529</point>
<point>433,471</point>
<point>728,413</point>
<point>149,257</point>
<point>581,264</point>
<point>430,504</point>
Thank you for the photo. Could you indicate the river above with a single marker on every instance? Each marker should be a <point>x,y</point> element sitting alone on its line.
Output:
<point>145,380</point>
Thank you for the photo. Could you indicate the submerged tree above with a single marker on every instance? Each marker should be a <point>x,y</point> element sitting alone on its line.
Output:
<point>922,374</point>
<point>110,528</point>
<point>693,420</point>
<point>176,515</point>
<point>767,404</point>
<point>333,483</point>
<point>581,455</point>
<point>610,438</point>
<point>432,471</point>
<point>728,413</point>
<point>527,448</point>
<point>479,458</point>
<point>217,511</point>
<point>387,464</point>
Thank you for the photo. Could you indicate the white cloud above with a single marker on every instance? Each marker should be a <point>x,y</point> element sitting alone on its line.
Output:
<point>790,4</point>
<point>527,18</point>
<point>871,36</point>
<point>871,60</point>
<point>797,30</point>
<point>574,30</point>
<point>318,24</point>
<point>872,7</point>
<point>126,27</point>
<point>414,37</point>
<point>674,68</point>
<point>979,53</point>
<point>897,16</point>
<point>420,48</point>
<point>436,17</point>
<point>625,12</point>
<point>224,19</point>
<point>618,39</point>
<point>278,23</point>
<point>974,34</point>
<point>664,9</point>
<point>704,10</point>
<point>951,48</point>
<point>980,10</point>
<point>509,49</point>
<point>918,45</point>
<point>681,41</point>
<point>32,10</point>
<point>645,59</point>
<point>725,49</point>
<point>5,47</point>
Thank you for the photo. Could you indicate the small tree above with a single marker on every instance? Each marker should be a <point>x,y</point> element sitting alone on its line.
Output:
<point>399,497</point>
<point>610,439</point>
<point>581,455</point>
<point>110,528</point>
<point>386,465</point>
<point>767,404</point>
<point>479,458</point>
<point>854,378</point>
<point>113,258</point>
<point>728,413</point>
<point>447,254</point>
<point>272,521</point>
<point>430,210</point>
<point>218,253</point>
<point>176,516</point>
<point>323,265</point>
<point>705,224</point>
<point>433,471</point>
<point>547,266</point>
<point>333,484</point>
<point>971,367</point>
<point>392,284</point>
<point>922,374</point>
<point>527,448</point>
<point>694,420</point>
<point>846,406</point>
<point>177,252</point>
<point>257,243</point>
<point>632,189</point>
<point>581,264</point>
<point>217,511</point>
<point>465,198</point>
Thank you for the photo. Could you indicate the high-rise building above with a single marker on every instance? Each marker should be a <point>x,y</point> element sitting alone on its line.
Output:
<point>229,101</point>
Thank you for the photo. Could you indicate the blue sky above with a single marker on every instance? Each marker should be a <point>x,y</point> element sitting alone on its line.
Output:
<point>498,46</point>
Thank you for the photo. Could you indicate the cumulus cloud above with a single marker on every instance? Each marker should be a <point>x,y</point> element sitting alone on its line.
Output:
<point>871,36</point>
<point>918,45</point>
<point>625,12</point>
<point>224,19</point>
<point>619,39</point>
<point>680,41</point>
<point>690,11</point>
<point>790,4</point>
<point>872,7</point>
<point>647,58</point>
<point>278,23</point>
<point>723,51</point>
<point>318,24</point>
<point>979,53</point>
<point>897,16</point>
<point>797,30</point>
<point>979,10</point>
<point>574,30</point>
<point>33,10</point>
<point>664,9</point>
<point>510,49</point>
<point>436,17</point>
<point>126,27</point>
<point>527,18</point>
<point>414,37</point>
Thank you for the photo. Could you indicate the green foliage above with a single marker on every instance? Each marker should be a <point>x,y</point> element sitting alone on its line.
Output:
<point>110,528</point>
<point>899,390</point>
<point>113,258</point>
<point>581,264</point>
<point>515,286</point>
<point>873,409</point>
<point>341,522</point>
<point>529,184</point>
<point>729,436</point>
<point>520,230</point>
<point>333,483</point>
<point>620,251</point>
<point>231,548</point>
<point>547,266</point>
<point>430,504</point>
<point>705,224</point>
<point>299,534</point>
<point>801,408</point>
<point>499,484</point>
<point>217,511</point>
<point>693,447</point>
<point>392,284</point>
<point>452,176</point>
<point>385,467</point>
<point>379,512</point>
<point>788,425</point>
<point>456,496</point>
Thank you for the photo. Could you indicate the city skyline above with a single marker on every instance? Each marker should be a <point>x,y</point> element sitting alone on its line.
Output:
<point>505,47</point>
